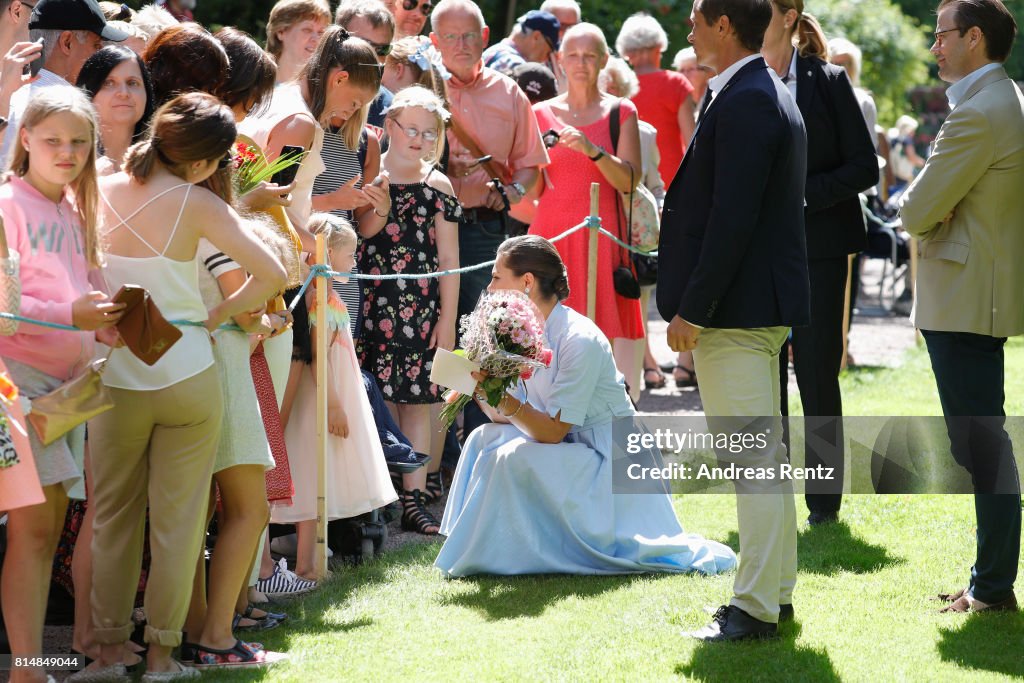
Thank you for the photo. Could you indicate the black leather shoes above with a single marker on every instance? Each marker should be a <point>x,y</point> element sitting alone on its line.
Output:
<point>820,518</point>
<point>785,613</point>
<point>730,623</point>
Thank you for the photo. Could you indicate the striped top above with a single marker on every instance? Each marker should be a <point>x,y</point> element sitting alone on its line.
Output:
<point>342,165</point>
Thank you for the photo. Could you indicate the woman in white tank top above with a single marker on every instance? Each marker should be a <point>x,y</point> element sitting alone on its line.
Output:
<point>157,445</point>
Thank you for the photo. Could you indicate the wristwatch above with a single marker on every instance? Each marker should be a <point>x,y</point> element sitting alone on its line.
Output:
<point>600,153</point>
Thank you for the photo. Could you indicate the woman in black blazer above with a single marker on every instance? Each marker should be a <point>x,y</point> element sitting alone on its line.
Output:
<point>840,164</point>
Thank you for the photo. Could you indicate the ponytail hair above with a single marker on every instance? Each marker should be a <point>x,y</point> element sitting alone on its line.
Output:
<point>191,127</point>
<point>536,255</point>
<point>338,49</point>
<point>45,103</point>
<point>810,39</point>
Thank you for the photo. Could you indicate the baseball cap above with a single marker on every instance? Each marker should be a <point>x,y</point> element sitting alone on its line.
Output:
<point>73,15</point>
<point>536,80</point>
<point>545,22</point>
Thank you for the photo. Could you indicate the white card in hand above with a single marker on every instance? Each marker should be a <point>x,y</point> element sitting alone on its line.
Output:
<point>453,371</point>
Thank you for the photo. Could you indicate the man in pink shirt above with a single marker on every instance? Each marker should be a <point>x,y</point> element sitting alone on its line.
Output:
<point>495,115</point>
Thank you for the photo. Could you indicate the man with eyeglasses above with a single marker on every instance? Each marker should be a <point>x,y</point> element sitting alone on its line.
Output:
<point>71,31</point>
<point>371,21</point>
<point>491,114</point>
<point>966,209</point>
<point>410,16</point>
<point>534,38</point>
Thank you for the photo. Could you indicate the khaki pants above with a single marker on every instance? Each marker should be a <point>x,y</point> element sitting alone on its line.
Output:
<point>739,377</point>
<point>154,447</point>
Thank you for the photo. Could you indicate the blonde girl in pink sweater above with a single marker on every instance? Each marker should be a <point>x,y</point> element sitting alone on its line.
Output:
<point>48,202</point>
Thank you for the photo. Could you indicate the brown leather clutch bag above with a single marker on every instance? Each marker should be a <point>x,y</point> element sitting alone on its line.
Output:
<point>142,327</point>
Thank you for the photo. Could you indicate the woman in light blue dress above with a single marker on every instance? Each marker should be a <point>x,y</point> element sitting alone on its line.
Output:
<point>533,493</point>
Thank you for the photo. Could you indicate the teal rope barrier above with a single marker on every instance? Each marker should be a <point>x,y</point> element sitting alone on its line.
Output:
<point>41,323</point>
<point>72,328</point>
<point>438,273</point>
<point>313,270</point>
<point>320,270</point>
<point>625,246</point>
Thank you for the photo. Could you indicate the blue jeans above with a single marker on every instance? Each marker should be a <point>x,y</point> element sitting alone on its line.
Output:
<point>478,242</point>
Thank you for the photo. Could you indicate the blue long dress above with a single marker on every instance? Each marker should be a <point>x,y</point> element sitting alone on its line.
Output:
<point>521,507</point>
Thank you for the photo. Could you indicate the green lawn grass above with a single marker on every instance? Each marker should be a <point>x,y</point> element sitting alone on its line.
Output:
<point>862,606</point>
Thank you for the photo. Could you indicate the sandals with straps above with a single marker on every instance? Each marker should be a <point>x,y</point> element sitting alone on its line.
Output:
<point>415,515</point>
<point>240,655</point>
<point>435,488</point>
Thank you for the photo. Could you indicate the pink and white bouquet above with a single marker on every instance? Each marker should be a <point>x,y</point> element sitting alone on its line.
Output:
<point>505,335</point>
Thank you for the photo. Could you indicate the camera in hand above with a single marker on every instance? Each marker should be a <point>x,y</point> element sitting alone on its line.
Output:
<point>550,138</point>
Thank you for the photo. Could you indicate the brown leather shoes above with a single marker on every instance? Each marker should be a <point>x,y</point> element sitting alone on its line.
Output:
<point>951,597</point>
<point>962,605</point>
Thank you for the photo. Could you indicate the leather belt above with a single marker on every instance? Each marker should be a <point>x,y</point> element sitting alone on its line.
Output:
<point>480,214</point>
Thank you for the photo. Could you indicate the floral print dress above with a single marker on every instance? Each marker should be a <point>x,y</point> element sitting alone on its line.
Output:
<point>399,315</point>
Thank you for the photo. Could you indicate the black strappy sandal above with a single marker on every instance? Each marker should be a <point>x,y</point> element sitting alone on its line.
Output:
<point>415,515</point>
<point>435,487</point>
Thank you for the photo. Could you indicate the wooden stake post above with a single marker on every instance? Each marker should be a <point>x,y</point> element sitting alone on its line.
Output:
<point>322,287</point>
<point>595,208</point>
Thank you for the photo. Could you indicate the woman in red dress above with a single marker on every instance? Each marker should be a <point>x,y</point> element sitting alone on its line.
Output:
<point>582,154</point>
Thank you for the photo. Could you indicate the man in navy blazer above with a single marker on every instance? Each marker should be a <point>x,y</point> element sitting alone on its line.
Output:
<point>734,281</point>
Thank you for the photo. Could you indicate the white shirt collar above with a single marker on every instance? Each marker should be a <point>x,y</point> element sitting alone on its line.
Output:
<point>956,92</point>
<point>718,83</point>
<point>48,78</point>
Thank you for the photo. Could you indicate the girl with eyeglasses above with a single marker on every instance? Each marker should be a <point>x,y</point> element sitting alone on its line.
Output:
<point>405,321</point>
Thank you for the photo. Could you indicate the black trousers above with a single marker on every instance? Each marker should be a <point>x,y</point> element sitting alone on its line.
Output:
<point>817,357</point>
<point>969,374</point>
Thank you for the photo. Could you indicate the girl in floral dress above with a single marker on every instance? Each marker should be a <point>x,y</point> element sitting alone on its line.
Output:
<point>405,320</point>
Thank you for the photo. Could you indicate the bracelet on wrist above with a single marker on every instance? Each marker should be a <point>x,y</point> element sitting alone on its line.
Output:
<point>600,153</point>
<point>515,412</point>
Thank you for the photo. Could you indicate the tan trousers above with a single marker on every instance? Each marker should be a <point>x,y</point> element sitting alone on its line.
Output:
<point>155,448</point>
<point>739,377</point>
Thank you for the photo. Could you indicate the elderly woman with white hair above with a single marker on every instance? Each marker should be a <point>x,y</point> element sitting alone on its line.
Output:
<point>685,62</point>
<point>582,150</point>
<point>665,99</point>
<point>619,80</point>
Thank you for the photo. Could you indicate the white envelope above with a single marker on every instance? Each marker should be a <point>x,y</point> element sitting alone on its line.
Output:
<point>452,371</point>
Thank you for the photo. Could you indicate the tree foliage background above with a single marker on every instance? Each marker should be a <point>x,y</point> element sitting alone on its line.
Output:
<point>894,34</point>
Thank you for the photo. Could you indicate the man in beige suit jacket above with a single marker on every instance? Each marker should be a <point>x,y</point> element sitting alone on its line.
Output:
<point>967,210</point>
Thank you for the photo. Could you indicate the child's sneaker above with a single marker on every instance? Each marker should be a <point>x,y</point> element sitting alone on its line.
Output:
<point>284,582</point>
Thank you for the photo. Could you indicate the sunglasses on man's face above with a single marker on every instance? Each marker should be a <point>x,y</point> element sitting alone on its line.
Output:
<point>382,49</point>
<point>410,5</point>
